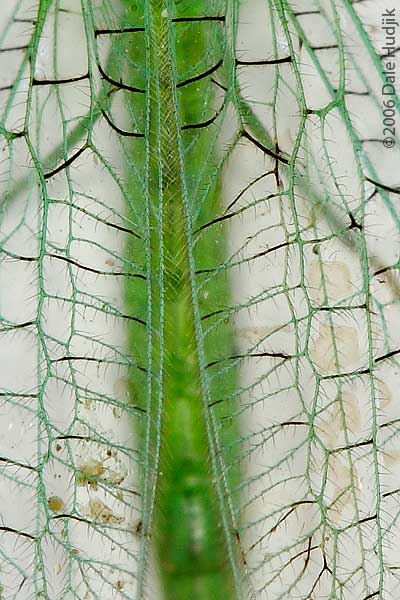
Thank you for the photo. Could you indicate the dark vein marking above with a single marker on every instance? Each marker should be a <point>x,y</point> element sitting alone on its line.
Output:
<point>66,163</point>
<point>13,49</point>
<point>18,532</point>
<point>121,131</point>
<point>99,219</point>
<point>214,313</point>
<point>19,256</point>
<point>248,186</point>
<point>84,438</point>
<point>353,223</point>
<point>307,559</point>
<point>230,215</point>
<point>15,134</point>
<point>342,308</point>
<point>261,146</point>
<point>119,84</point>
<point>391,493</point>
<point>59,81</point>
<point>306,12</point>
<point>347,374</point>
<point>204,123</point>
<point>255,355</point>
<point>250,258</point>
<point>198,19</point>
<point>215,221</point>
<point>97,271</point>
<point>388,188</point>
<point>352,446</point>
<point>20,20</point>
<point>201,75</point>
<point>385,269</point>
<point>328,47</point>
<point>16,395</point>
<point>74,518</point>
<point>255,63</point>
<point>388,355</point>
<point>14,463</point>
<point>269,250</point>
<point>91,359</point>
<point>293,508</point>
<point>218,84</point>
<point>118,31</point>
<point>352,93</point>
<point>10,327</point>
<point>242,554</point>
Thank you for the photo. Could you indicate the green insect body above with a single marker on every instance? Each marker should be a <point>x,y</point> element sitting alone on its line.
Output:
<point>187,527</point>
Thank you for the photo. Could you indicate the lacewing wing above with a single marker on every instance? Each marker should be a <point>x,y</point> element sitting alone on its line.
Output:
<point>163,96</point>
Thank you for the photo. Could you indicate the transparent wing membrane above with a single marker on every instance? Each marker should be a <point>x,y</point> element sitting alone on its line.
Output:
<point>199,300</point>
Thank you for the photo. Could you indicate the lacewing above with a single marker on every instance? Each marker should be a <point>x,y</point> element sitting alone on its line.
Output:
<point>155,88</point>
<point>128,195</point>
